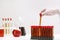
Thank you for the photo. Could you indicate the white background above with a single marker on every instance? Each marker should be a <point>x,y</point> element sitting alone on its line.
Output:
<point>26,13</point>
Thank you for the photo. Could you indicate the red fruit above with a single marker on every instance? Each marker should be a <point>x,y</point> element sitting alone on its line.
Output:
<point>16,33</point>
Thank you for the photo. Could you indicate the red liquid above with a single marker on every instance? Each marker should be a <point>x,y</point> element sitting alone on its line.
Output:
<point>1,32</point>
<point>16,33</point>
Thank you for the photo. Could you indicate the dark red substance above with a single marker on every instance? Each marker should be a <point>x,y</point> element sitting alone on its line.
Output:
<point>1,32</point>
<point>42,31</point>
<point>40,14</point>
